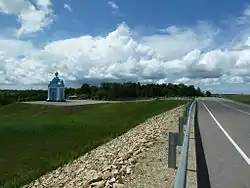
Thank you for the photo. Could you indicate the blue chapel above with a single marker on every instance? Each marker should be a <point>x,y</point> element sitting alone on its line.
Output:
<point>56,89</point>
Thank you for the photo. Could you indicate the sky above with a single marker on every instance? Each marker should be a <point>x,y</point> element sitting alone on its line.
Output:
<point>205,43</point>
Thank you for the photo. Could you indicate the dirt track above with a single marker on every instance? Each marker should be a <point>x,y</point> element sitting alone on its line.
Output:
<point>70,102</point>
<point>85,102</point>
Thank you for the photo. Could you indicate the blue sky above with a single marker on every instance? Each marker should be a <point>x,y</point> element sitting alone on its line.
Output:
<point>96,17</point>
<point>200,42</point>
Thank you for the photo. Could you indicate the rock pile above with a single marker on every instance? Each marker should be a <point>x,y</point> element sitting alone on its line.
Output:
<point>107,165</point>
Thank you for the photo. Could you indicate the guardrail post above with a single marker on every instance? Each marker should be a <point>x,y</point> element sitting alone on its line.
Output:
<point>181,131</point>
<point>172,143</point>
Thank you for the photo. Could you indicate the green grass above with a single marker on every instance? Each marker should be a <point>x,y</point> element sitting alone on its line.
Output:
<point>35,139</point>
<point>239,98</point>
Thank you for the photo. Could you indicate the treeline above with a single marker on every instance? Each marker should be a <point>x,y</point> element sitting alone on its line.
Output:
<point>107,91</point>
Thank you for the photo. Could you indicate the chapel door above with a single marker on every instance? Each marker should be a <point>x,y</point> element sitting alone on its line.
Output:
<point>53,94</point>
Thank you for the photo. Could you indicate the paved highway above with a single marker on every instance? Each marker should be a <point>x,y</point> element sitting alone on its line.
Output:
<point>225,135</point>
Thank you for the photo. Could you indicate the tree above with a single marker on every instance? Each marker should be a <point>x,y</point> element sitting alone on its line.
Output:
<point>108,91</point>
<point>208,94</point>
<point>85,89</point>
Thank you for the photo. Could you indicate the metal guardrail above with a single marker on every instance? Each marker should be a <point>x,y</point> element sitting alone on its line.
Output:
<point>181,139</point>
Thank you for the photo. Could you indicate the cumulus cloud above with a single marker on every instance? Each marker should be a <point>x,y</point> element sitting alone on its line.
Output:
<point>68,7</point>
<point>32,17</point>
<point>113,5</point>
<point>181,41</point>
<point>179,55</point>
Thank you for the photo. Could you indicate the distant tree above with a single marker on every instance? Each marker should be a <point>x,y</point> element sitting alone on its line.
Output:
<point>83,96</point>
<point>208,94</point>
<point>199,92</point>
<point>164,92</point>
<point>85,89</point>
<point>70,91</point>
<point>102,94</point>
<point>108,91</point>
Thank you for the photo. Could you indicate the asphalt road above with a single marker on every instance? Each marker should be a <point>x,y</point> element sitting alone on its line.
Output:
<point>225,134</point>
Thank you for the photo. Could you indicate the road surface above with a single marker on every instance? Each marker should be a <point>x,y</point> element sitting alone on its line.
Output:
<point>225,135</point>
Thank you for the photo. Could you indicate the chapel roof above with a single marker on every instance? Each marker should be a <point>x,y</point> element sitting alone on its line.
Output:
<point>56,82</point>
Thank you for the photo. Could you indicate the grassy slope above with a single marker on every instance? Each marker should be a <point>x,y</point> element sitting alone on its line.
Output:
<point>239,98</point>
<point>35,139</point>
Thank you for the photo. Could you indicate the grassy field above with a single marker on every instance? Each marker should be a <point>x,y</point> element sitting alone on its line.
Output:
<point>35,139</point>
<point>240,98</point>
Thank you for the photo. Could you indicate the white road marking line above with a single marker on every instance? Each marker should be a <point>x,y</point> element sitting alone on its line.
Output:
<point>247,113</point>
<point>245,157</point>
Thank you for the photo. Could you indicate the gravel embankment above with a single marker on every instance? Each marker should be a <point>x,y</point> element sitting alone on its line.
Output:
<point>138,158</point>
<point>152,172</point>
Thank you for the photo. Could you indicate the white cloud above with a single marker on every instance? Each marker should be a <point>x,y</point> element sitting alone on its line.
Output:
<point>180,55</point>
<point>234,79</point>
<point>32,17</point>
<point>245,18</point>
<point>117,57</point>
<point>68,7</point>
<point>113,5</point>
<point>183,80</point>
<point>180,41</point>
